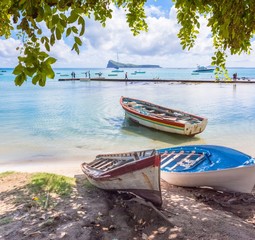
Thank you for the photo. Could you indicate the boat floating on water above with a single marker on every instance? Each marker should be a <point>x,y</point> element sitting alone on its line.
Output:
<point>117,70</point>
<point>137,172</point>
<point>213,166</point>
<point>203,69</point>
<point>162,118</point>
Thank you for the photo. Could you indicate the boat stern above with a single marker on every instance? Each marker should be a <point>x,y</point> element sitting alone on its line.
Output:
<point>196,128</point>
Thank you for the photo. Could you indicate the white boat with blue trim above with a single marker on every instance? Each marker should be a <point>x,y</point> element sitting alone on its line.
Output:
<point>213,166</point>
<point>201,69</point>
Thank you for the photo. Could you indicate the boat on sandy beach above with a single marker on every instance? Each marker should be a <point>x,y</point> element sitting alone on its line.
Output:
<point>162,118</point>
<point>213,166</point>
<point>136,172</point>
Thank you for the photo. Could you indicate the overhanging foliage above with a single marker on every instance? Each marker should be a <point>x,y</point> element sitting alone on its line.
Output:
<point>232,25</point>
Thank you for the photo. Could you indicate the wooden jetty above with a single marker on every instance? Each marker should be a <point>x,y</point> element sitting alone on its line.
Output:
<point>155,80</point>
<point>74,79</point>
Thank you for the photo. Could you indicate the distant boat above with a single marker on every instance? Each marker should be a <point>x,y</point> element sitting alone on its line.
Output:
<point>64,75</point>
<point>117,70</point>
<point>162,118</point>
<point>203,69</point>
<point>137,172</point>
<point>99,74</point>
<point>112,74</point>
<point>139,72</point>
<point>213,166</point>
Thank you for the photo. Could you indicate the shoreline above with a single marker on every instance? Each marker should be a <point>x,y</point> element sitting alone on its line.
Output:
<point>68,168</point>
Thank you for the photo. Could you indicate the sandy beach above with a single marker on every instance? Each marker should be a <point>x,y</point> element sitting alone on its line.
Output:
<point>91,214</point>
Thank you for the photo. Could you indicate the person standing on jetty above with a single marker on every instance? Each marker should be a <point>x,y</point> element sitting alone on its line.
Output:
<point>73,74</point>
<point>126,75</point>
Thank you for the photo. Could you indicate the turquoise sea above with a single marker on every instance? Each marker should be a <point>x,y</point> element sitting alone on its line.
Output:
<point>76,120</point>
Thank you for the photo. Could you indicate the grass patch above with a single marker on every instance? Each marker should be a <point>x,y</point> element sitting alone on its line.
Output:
<point>5,220</point>
<point>46,189</point>
<point>53,183</point>
<point>4,174</point>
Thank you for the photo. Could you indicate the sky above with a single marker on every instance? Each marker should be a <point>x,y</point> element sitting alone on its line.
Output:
<point>159,46</point>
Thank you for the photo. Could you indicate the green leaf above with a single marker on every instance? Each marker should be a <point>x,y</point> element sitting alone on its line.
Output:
<point>73,17</point>
<point>50,60</point>
<point>35,79</point>
<point>78,41</point>
<point>81,22</point>
<point>18,69</point>
<point>55,19</point>
<point>42,80</point>
<point>58,34</point>
<point>52,39</point>
<point>47,46</point>
<point>68,31</point>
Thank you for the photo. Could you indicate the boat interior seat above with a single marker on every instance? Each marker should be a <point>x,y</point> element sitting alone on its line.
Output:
<point>131,104</point>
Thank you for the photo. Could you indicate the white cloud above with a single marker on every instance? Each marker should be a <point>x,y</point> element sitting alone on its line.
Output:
<point>8,52</point>
<point>160,45</point>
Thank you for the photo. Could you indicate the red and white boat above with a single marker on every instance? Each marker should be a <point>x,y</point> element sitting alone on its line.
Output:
<point>162,118</point>
<point>136,172</point>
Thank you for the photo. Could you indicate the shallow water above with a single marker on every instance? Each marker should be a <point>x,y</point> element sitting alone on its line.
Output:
<point>78,120</point>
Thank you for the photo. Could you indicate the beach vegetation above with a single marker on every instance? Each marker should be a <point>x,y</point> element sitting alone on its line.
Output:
<point>5,220</point>
<point>39,24</point>
<point>5,174</point>
<point>44,187</point>
<point>48,182</point>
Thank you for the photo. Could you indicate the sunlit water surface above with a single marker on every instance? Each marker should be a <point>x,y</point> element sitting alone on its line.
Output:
<point>78,120</point>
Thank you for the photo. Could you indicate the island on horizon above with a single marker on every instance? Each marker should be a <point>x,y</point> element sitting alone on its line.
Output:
<point>114,64</point>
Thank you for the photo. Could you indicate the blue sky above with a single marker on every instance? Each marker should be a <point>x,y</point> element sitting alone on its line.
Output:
<point>159,45</point>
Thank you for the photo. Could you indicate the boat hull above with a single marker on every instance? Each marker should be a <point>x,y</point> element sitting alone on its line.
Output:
<point>204,71</point>
<point>239,179</point>
<point>213,166</point>
<point>141,177</point>
<point>164,123</point>
<point>146,186</point>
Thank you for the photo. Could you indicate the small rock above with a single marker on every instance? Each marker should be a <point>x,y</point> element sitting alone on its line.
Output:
<point>144,236</point>
<point>162,230</point>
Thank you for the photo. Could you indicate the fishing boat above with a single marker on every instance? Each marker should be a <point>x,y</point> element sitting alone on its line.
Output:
<point>212,166</point>
<point>203,69</point>
<point>162,118</point>
<point>136,172</point>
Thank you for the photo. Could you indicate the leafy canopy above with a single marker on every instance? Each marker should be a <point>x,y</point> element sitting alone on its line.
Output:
<point>62,18</point>
<point>232,25</point>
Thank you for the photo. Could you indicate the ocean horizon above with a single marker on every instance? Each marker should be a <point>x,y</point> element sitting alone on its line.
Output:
<point>145,73</point>
<point>75,121</point>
